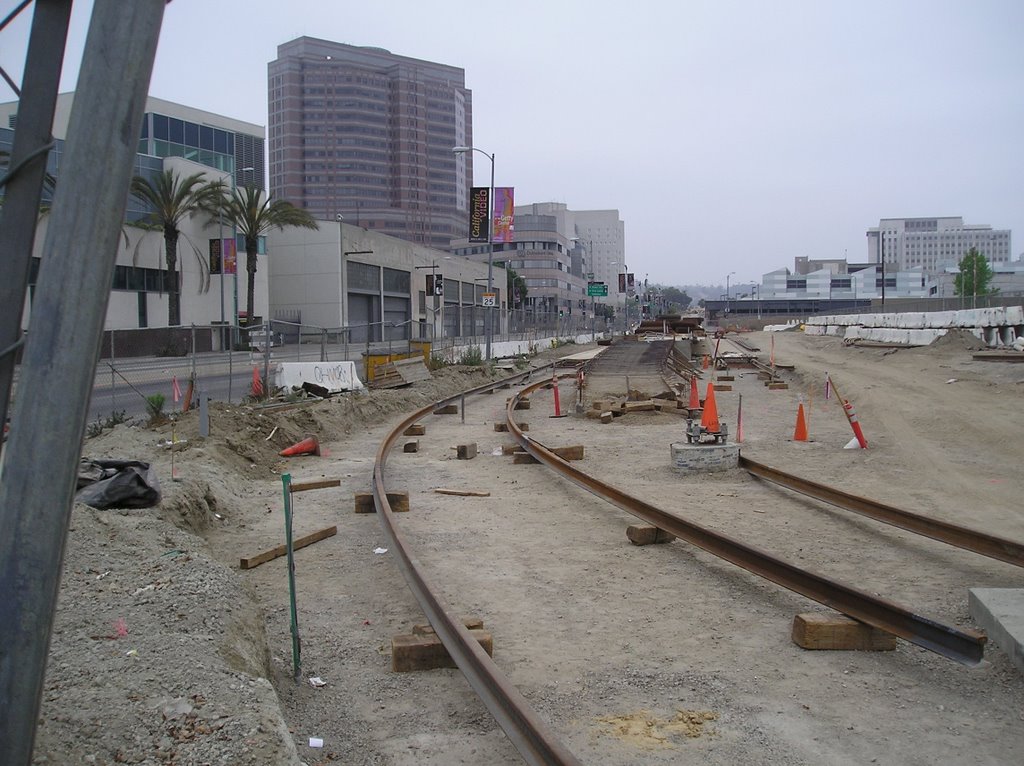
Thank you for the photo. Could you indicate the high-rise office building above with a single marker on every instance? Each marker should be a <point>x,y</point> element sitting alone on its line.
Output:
<point>363,133</point>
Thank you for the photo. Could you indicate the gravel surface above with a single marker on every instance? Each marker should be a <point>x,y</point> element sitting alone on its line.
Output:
<point>164,652</point>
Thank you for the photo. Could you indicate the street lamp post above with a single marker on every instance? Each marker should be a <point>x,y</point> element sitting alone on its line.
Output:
<point>234,246</point>
<point>727,306</point>
<point>489,329</point>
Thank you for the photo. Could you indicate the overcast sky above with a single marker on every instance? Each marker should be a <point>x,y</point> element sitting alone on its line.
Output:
<point>731,136</point>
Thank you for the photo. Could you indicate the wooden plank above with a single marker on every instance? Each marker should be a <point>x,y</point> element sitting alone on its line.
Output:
<point>416,429</point>
<point>471,623</point>
<point>280,550</point>
<point>399,502</point>
<point>642,534</point>
<point>816,630</point>
<point>638,406</point>
<point>304,486</point>
<point>412,370</point>
<point>510,449</point>
<point>462,492</point>
<point>412,652</point>
<point>573,452</point>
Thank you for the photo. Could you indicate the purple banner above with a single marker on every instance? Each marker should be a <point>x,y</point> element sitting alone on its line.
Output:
<point>504,214</point>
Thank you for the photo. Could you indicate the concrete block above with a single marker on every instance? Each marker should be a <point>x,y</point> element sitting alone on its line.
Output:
<point>416,429</point>
<point>815,630</point>
<point>1000,613</point>
<point>413,446</point>
<point>607,417</point>
<point>466,451</point>
<point>709,458</point>
<point>399,502</point>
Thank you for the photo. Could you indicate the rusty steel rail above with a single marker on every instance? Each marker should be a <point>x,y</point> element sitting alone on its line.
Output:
<point>963,645</point>
<point>524,728</point>
<point>994,547</point>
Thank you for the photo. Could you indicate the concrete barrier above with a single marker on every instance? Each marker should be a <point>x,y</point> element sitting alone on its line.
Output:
<point>334,376</point>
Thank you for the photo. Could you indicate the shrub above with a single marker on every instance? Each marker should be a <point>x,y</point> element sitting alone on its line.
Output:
<point>472,357</point>
<point>155,406</point>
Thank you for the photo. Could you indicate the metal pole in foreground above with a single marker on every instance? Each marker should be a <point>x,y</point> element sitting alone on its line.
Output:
<point>67,322</point>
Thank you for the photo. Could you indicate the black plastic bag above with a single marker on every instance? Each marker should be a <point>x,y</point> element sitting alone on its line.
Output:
<point>117,484</point>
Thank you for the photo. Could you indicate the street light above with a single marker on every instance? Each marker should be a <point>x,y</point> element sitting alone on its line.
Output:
<point>625,295</point>
<point>489,329</point>
<point>727,290</point>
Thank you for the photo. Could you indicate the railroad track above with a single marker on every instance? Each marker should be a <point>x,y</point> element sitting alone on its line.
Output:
<point>524,728</point>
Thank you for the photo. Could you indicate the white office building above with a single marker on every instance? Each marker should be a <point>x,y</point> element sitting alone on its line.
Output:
<point>934,244</point>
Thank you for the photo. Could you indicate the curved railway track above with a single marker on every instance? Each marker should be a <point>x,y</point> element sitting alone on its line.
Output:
<point>528,733</point>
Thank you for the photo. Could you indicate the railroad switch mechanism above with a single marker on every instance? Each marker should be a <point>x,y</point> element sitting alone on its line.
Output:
<point>642,534</point>
<point>816,630</point>
<point>423,650</point>
<point>399,502</point>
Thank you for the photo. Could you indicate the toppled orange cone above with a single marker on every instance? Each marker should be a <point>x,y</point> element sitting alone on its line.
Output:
<point>308,446</point>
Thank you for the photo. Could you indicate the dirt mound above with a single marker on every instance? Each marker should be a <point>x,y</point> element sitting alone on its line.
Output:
<point>958,340</point>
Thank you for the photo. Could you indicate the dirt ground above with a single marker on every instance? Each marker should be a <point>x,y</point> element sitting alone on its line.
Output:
<point>164,652</point>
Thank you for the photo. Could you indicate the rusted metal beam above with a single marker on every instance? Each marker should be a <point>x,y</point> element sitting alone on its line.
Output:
<point>524,728</point>
<point>994,547</point>
<point>965,646</point>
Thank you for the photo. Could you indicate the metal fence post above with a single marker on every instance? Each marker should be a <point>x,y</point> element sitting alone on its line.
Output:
<point>323,344</point>
<point>113,380</point>
<point>231,368</point>
<point>193,353</point>
<point>269,335</point>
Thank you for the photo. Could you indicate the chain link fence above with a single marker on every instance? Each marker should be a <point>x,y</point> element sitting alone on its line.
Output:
<point>142,371</point>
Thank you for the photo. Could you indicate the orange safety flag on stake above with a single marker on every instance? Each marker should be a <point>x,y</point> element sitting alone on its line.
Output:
<point>257,384</point>
<point>800,433</point>
<point>175,389</point>
<point>709,418</point>
<point>739,421</point>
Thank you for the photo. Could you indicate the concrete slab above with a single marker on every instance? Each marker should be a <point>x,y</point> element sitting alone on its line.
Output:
<point>1000,613</point>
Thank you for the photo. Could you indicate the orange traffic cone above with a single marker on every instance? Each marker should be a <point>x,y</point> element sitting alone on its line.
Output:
<point>694,395</point>
<point>709,418</point>
<point>800,434</point>
<point>257,384</point>
<point>309,446</point>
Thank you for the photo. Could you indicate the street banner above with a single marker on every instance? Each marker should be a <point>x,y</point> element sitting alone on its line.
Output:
<point>504,214</point>
<point>622,282</point>
<point>230,257</point>
<point>215,259</point>
<point>479,197</point>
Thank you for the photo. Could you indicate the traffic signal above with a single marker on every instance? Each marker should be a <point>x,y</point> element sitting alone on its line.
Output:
<point>561,313</point>
<point>435,284</point>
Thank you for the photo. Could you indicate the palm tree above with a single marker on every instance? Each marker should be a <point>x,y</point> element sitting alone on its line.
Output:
<point>253,215</point>
<point>172,198</point>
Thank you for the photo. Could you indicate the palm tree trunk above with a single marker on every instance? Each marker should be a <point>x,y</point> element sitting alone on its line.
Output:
<point>171,278</point>
<point>250,267</point>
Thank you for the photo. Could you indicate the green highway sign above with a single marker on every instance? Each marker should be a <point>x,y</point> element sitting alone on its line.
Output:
<point>598,289</point>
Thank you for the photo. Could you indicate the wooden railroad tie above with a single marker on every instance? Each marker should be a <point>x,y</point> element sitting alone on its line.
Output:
<point>423,650</point>
<point>724,379</point>
<point>416,429</point>
<point>816,630</point>
<point>641,406</point>
<point>502,427</point>
<point>522,404</point>
<point>510,449</point>
<point>399,502</point>
<point>720,388</point>
<point>413,446</point>
<point>448,409</point>
<point>642,534</point>
<point>280,550</point>
<point>776,386</point>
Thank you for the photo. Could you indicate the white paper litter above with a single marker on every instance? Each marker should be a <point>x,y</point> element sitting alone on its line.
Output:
<point>316,682</point>
<point>379,551</point>
<point>316,742</point>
